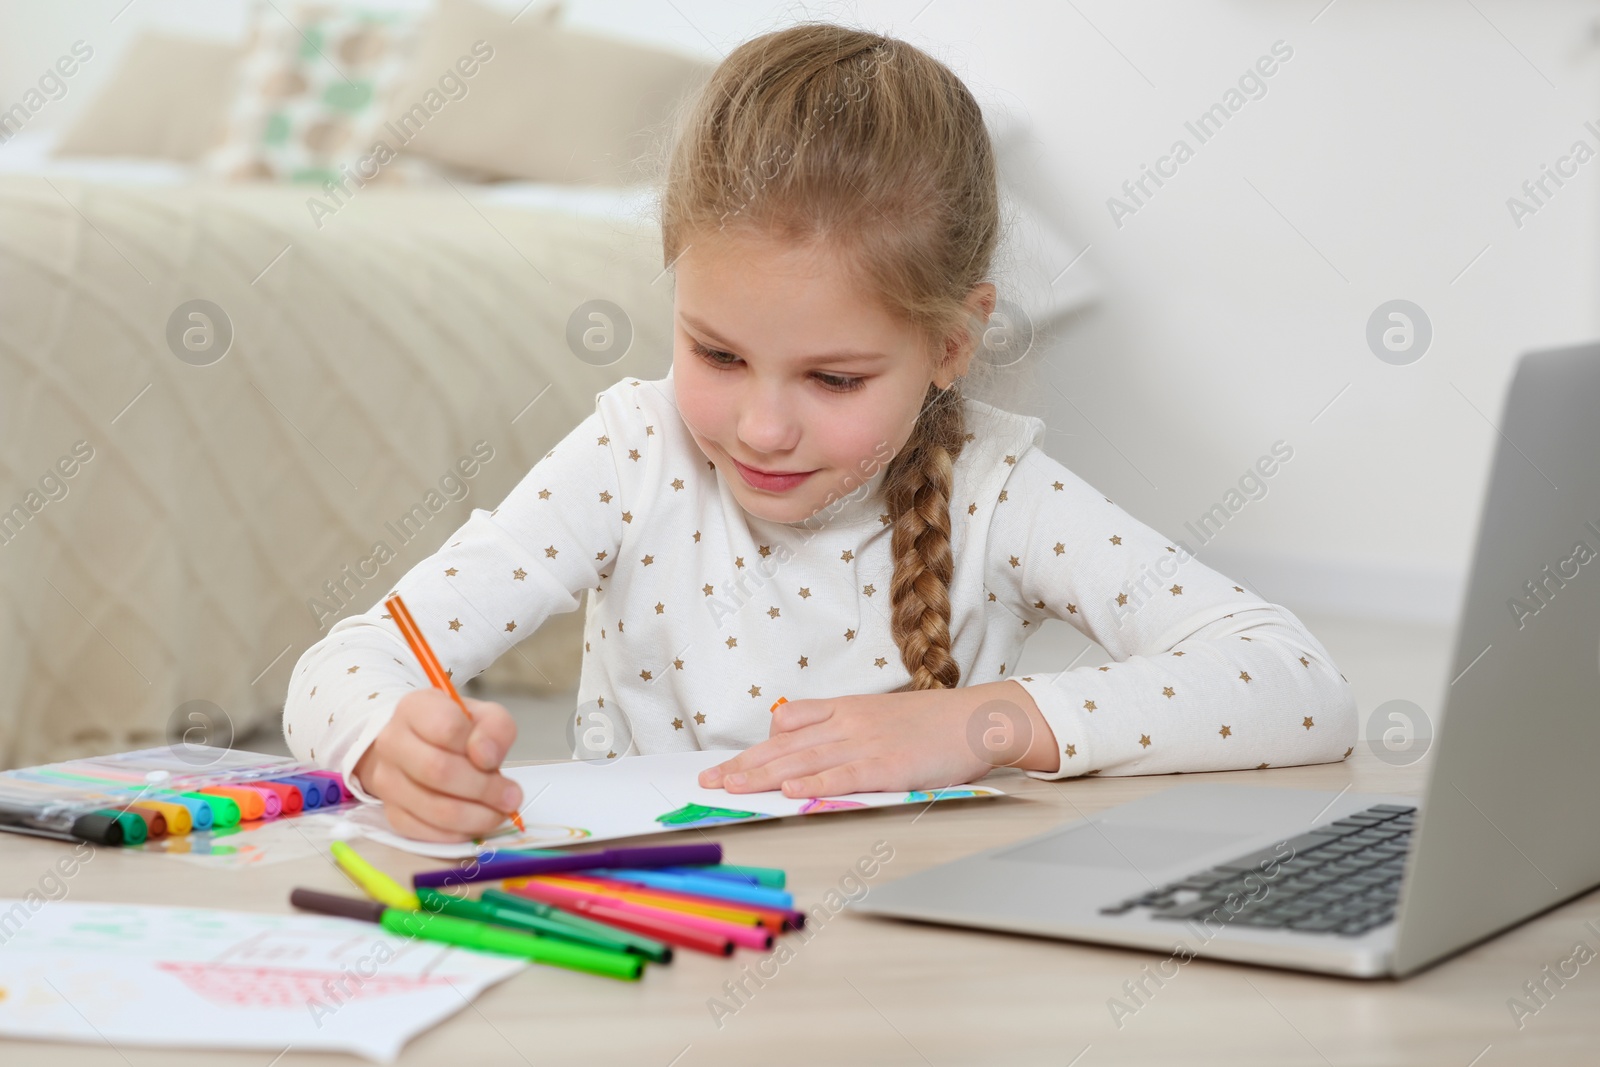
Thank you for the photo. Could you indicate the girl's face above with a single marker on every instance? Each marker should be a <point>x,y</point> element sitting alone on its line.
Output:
<point>791,379</point>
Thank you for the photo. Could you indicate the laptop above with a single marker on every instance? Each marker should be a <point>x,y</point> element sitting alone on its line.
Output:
<point>1371,885</point>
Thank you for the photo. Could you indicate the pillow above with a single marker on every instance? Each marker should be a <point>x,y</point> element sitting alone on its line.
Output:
<point>167,100</point>
<point>551,103</point>
<point>313,82</point>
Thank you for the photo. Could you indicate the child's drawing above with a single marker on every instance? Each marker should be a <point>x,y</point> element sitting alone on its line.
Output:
<point>692,814</point>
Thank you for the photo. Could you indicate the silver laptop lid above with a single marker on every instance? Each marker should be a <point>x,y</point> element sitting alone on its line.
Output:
<point>1513,796</point>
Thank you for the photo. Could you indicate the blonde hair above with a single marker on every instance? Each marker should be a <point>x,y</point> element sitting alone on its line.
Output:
<point>823,133</point>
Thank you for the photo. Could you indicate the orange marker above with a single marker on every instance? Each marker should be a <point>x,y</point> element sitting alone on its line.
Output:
<point>781,700</point>
<point>431,667</point>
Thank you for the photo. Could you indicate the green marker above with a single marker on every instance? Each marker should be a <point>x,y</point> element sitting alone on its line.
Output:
<point>468,934</point>
<point>134,830</point>
<point>771,877</point>
<point>651,949</point>
<point>224,812</point>
<point>499,915</point>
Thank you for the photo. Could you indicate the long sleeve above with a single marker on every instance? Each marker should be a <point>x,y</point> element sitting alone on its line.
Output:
<point>494,581</point>
<point>1206,676</point>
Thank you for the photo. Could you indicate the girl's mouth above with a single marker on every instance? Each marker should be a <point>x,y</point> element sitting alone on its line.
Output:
<point>772,483</point>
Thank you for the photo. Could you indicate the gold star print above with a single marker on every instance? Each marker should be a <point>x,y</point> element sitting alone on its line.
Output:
<point>1226,731</point>
<point>1177,653</point>
<point>1244,639</point>
<point>603,440</point>
<point>970,437</point>
<point>1122,598</point>
<point>619,626</point>
<point>677,664</point>
<point>450,572</point>
<point>880,662</point>
<point>1089,705</point>
<point>1245,675</point>
<point>313,690</point>
<point>766,550</point>
<point>706,589</point>
<point>738,561</point>
<point>803,661</point>
<point>455,624</point>
<point>847,555</point>
<point>991,597</point>
<point>600,555</point>
<point>1116,539</point>
<point>649,431</point>
<point>1072,609</point>
<point>972,509</point>
<point>1057,486</point>
<point>519,574</point>
<point>677,724</point>
<point>1071,750</point>
<point>648,559</point>
<point>1060,548</point>
<point>1307,722</point>
<point>661,609</point>
<point>1262,766</point>
<point>1039,604</point>
<point>645,675</point>
<point>700,718</point>
<point>605,496</point>
<point>1237,589</point>
<point>352,670</point>
<point>697,537</point>
<point>1015,562</point>
<point>1177,590</point>
<point>869,589</point>
<point>627,516</point>
<point>884,519</point>
<point>544,494</point>
<point>1144,740</point>
<point>805,592</point>
<point>1168,691</point>
<point>1304,662</point>
<point>1103,668</point>
<point>510,626</point>
<point>677,483</point>
<point>732,641</point>
<point>1002,496</point>
<point>1011,460</point>
<point>849,635</point>
<point>1349,750</point>
<point>633,453</point>
<point>772,613</point>
<point>551,552</point>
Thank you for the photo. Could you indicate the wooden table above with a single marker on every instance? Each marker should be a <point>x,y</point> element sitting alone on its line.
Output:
<point>859,989</point>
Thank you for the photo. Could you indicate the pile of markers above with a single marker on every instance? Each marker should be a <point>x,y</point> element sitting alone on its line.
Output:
<point>132,797</point>
<point>608,912</point>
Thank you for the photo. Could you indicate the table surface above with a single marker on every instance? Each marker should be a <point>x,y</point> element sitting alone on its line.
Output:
<point>870,990</point>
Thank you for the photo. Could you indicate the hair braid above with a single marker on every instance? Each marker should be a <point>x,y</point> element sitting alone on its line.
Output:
<point>917,486</point>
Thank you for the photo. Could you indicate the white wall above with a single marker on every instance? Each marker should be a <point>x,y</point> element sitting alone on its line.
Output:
<point>1376,166</point>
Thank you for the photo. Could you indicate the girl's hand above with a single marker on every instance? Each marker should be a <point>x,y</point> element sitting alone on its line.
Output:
<point>438,772</point>
<point>890,742</point>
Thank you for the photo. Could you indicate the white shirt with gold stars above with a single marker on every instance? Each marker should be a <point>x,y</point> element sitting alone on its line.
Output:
<point>701,615</point>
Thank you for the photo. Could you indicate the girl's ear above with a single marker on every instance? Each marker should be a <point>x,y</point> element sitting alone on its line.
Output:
<point>960,346</point>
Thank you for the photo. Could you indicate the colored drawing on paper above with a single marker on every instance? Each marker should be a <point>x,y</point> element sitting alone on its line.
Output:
<point>818,804</point>
<point>693,814</point>
<point>918,796</point>
<point>536,834</point>
<point>275,988</point>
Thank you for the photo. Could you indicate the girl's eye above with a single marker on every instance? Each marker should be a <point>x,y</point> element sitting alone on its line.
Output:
<point>724,360</point>
<point>712,356</point>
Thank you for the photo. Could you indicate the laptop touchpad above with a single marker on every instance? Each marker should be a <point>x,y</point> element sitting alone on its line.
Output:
<point>1120,846</point>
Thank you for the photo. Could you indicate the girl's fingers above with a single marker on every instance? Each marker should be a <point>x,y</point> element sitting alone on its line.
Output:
<point>416,811</point>
<point>759,754</point>
<point>493,732</point>
<point>857,776</point>
<point>794,714</point>
<point>444,771</point>
<point>773,773</point>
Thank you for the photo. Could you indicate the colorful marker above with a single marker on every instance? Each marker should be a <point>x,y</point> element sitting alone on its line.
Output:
<point>378,885</point>
<point>648,947</point>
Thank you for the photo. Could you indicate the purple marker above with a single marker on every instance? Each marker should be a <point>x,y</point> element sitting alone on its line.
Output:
<point>526,866</point>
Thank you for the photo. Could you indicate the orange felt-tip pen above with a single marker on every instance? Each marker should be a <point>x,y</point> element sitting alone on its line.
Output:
<point>431,666</point>
<point>781,700</point>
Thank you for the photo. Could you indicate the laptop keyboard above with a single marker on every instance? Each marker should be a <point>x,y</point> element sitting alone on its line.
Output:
<point>1341,879</point>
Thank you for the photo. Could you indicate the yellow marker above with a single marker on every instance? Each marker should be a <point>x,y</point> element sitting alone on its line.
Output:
<point>179,821</point>
<point>378,886</point>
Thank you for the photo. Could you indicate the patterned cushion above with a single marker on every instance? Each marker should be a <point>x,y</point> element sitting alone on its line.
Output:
<point>312,89</point>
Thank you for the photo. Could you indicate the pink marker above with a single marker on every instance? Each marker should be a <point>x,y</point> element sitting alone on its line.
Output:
<point>745,936</point>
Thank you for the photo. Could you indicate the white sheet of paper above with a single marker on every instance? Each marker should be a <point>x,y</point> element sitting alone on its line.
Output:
<point>203,978</point>
<point>583,801</point>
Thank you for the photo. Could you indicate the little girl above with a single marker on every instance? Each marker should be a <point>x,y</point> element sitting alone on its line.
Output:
<point>806,507</point>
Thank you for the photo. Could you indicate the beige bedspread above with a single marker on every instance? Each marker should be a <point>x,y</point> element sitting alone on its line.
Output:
<point>210,508</point>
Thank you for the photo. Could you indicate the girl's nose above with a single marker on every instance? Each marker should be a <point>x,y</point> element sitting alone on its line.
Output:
<point>767,422</point>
